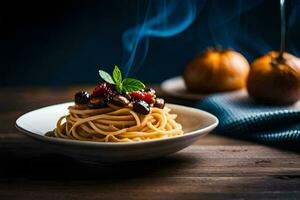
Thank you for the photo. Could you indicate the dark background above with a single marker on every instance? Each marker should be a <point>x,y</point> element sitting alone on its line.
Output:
<point>66,42</point>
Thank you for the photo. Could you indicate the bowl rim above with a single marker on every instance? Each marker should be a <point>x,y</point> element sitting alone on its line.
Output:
<point>199,131</point>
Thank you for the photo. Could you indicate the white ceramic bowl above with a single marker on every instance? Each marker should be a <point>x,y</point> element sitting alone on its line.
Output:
<point>195,122</point>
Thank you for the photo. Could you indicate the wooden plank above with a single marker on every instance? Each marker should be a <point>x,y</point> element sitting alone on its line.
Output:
<point>8,120</point>
<point>214,167</point>
<point>155,188</point>
<point>195,161</point>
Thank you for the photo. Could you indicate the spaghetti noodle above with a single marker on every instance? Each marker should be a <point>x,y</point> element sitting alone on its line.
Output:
<point>118,110</point>
<point>116,124</point>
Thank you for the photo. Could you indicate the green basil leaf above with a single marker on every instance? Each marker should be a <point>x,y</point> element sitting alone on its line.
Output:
<point>119,88</point>
<point>131,85</point>
<point>106,77</point>
<point>117,75</point>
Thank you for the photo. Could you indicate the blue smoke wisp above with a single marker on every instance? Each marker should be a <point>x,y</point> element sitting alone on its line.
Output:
<point>162,19</point>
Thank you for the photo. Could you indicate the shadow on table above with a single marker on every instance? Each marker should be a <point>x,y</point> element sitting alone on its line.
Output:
<point>59,167</point>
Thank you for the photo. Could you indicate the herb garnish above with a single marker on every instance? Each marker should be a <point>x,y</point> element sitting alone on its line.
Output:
<point>122,86</point>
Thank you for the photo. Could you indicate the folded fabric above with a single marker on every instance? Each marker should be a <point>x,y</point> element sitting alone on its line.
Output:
<point>240,117</point>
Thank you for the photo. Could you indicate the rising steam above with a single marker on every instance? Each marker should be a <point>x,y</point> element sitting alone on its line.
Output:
<point>163,18</point>
<point>167,18</point>
<point>224,20</point>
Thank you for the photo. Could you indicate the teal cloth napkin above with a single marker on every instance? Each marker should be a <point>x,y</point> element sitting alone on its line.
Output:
<point>240,117</point>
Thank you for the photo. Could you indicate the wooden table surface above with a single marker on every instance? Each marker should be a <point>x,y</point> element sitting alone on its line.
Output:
<point>214,167</point>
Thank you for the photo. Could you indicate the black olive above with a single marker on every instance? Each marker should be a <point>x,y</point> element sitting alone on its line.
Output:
<point>150,90</point>
<point>159,103</point>
<point>96,102</point>
<point>81,97</point>
<point>127,96</point>
<point>120,100</point>
<point>141,107</point>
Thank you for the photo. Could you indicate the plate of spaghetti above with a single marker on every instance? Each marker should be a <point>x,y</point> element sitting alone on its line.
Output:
<point>121,120</point>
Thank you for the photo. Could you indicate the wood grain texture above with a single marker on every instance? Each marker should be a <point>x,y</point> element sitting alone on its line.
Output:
<point>213,168</point>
